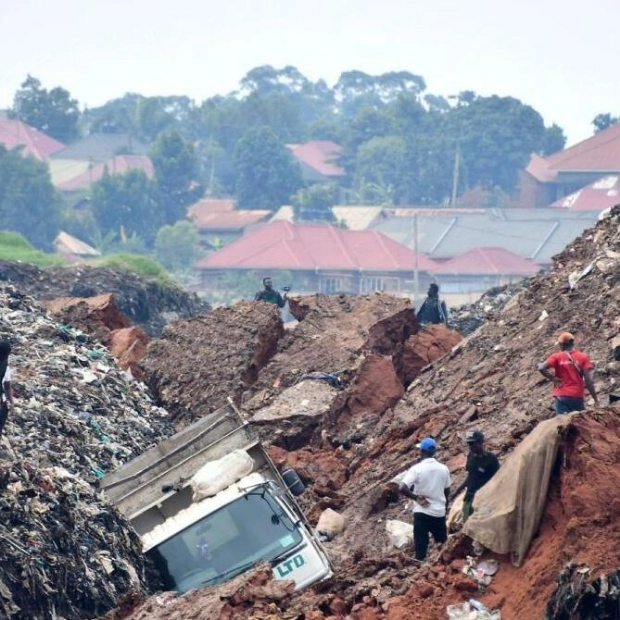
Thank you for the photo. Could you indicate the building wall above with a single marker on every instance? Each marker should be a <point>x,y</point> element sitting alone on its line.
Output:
<point>532,193</point>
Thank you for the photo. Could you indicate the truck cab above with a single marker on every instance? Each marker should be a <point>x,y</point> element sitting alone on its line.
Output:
<point>197,543</point>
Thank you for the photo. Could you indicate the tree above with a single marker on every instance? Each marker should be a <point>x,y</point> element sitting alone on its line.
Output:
<point>267,174</point>
<point>382,168</point>
<point>177,246</point>
<point>125,204</point>
<point>604,121</point>
<point>29,203</point>
<point>176,167</point>
<point>554,140</point>
<point>314,203</point>
<point>53,112</point>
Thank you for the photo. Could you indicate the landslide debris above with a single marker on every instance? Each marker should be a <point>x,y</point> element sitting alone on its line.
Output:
<point>200,362</point>
<point>489,382</point>
<point>101,318</point>
<point>64,551</point>
<point>146,302</point>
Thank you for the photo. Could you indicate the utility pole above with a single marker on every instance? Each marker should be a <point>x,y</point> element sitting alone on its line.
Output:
<point>416,270</point>
<point>455,176</point>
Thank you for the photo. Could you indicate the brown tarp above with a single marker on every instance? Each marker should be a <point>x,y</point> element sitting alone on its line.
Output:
<point>508,509</point>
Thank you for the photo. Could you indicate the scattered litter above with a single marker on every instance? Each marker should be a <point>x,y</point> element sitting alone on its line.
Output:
<point>399,533</point>
<point>472,610</point>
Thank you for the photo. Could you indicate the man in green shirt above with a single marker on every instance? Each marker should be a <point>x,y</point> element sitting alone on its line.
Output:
<point>269,295</point>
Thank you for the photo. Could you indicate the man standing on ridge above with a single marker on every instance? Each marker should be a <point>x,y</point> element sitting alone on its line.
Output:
<point>6,389</point>
<point>571,372</point>
<point>270,295</point>
<point>427,483</point>
<point>481,467</point>
<point>434,309</point>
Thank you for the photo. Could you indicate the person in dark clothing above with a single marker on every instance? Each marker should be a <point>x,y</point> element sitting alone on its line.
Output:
<point>270,295</point>
<point>481,467</point>
<point>6,390</point>
<point>434,309</point>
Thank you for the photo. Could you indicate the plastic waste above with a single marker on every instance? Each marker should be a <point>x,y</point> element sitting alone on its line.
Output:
<point>399,533</point>
<point>472,610</point>
<point>217,475</point>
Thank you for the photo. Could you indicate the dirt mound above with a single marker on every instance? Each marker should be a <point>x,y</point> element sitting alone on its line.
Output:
<point>144,301</point>
<point>198,363</point>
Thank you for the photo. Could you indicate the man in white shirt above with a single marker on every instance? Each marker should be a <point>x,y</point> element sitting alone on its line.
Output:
<point>427,483</point>
<point>6,391</point>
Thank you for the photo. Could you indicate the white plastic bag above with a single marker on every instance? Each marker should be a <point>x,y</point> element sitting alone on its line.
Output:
<point>330,522</point>
<point>399,533</point>
<point>215,476</point>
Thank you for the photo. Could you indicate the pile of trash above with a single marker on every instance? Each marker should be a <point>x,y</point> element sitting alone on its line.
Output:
<point>145,301</point>
<point>467,318</point>
<point>64,551</point>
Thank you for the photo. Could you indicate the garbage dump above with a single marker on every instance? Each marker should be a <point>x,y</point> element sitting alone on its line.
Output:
<point>64,551</point>
<point>368,433</point>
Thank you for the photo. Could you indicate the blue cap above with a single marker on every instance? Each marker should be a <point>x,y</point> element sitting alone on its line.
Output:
<point>428,444</point>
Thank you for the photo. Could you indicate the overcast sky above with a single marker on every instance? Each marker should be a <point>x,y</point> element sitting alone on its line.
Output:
<point>563,61</point>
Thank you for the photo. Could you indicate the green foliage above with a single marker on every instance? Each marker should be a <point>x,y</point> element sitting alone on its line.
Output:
<point>52,111</point>
<point>175,166</point>
<point>29,203</point>
<point>14,246</point>
<point>136,263</point>
<point>177,247</point>
<point>604,121</point>
<point>314,203</point>
<point>382,165</point>
<point>125,204</point>
<point>267,174</point>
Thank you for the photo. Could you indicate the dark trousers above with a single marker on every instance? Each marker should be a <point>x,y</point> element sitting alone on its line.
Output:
<point>423,525</point>
<point>4,414</point>
<point>566,404</point>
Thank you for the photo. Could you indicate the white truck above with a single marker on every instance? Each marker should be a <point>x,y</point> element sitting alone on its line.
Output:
<point>195,542</point>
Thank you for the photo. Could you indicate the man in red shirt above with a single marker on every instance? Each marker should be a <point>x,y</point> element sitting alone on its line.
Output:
<point>571,372</point>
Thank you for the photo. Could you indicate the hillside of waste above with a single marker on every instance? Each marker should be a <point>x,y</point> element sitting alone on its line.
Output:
<point>488,381</point>
<point>64,552</point>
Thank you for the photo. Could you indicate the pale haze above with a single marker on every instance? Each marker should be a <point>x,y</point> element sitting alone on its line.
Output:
<point>560,60</point>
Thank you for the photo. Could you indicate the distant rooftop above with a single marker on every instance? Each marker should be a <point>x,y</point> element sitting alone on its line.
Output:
<point>14,134</point>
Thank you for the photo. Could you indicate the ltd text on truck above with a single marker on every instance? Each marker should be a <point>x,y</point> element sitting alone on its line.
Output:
<point>208,504</point>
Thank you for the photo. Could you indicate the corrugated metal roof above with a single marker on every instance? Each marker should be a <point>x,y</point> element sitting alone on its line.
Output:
<point>357,217</point>
<point>282,245</point>
<point>597,196</point>
<point>14,134</point>
<point>487,261</point>
<point>117,165</point>
<point>536,234</point>
<point>100,147</point>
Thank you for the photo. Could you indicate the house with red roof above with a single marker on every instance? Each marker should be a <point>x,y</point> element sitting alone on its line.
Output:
<point>482,268</point>
<point>318,160</point>
<point>598,196</point>
<point>119,164</point>
<point>547,180</point>
<point>320,257</point>
<point>14,134</point>
<point>219,223</point>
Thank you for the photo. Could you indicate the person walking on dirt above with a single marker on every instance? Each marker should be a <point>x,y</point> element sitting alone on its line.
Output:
<point>481,467</point>
<point>571,373</point>
<point>6,390</point>
<point>270,295</point>
<point>434,309</point>
<point>427,483</point>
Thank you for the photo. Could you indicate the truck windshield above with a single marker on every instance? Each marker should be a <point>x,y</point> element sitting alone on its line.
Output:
<point>225,543</point>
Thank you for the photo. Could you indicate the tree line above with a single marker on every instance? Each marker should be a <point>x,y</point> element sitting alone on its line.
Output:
<point>400,145</point>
